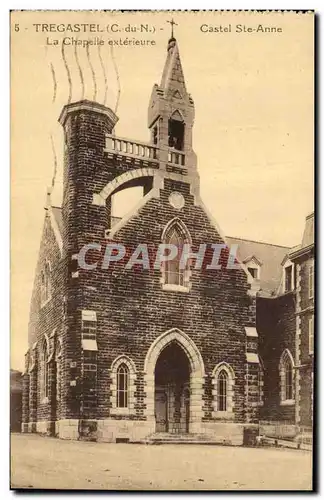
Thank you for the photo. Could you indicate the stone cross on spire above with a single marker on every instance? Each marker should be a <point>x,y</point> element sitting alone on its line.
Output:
<point>172,24</point>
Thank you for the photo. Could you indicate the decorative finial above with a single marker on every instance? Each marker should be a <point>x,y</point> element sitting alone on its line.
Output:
<point>172,24</point>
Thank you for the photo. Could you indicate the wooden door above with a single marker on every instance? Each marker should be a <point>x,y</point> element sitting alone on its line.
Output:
<point>161,411</point>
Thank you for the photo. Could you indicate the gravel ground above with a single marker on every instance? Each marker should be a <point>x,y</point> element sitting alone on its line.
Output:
<point>42,462</point>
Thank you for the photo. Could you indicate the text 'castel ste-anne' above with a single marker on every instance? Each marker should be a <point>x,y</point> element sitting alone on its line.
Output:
<point>239,28</point>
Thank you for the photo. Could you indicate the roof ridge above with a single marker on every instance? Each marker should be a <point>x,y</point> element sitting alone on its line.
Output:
<point>260,242</point>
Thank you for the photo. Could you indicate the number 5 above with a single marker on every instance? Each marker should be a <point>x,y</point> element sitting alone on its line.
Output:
<point>16,27</point>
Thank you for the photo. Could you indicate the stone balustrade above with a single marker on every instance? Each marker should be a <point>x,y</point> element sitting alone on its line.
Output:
<point>176,157</point>
<point>129,147</point>
<point>141,150</point>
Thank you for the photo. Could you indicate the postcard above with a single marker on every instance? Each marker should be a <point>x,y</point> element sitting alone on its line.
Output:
<point>162,250</point>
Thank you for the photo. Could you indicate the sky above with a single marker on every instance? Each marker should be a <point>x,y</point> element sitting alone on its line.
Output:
<point>253,131</point>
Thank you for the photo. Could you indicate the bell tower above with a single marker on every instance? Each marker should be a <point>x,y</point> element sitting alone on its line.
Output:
<point>171,111</point>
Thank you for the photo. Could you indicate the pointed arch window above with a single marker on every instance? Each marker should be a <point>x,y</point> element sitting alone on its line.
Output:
<point>223,391</point>
<point>58,356</point>
<point>176,272</point>
<point>123,374</point>
<point>44,370</point>
<point>122,386</point>
<point>174,275</point>
<point>176,131</point>
<point>288,381</point>
<point>286,370</point>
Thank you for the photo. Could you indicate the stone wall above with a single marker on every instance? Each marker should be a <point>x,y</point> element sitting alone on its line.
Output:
<point>46,322</point>
<point>276,324</point>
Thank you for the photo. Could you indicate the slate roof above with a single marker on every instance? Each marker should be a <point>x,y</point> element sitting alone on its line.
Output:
<point>271,257</point>
<point>307,240</point>
<point>308,236</point>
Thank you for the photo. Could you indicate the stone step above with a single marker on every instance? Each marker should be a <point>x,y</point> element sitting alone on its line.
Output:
<point>178,436</point>
<point>168,438</point>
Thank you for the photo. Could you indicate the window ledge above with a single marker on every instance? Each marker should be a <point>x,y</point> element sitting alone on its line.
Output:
<point>120,411</point>
<point>223,415</point>
<point>287,402</point>
<point>45,400</point>
<point>175,288</point>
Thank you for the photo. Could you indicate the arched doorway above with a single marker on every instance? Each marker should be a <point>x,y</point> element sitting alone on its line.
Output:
<point>172,393</point>
<point>192,396</point>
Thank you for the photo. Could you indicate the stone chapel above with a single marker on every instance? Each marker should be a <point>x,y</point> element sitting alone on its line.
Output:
<point>121,354</point>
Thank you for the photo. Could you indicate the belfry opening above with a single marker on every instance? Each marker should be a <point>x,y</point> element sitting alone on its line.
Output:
<point>176,129</point>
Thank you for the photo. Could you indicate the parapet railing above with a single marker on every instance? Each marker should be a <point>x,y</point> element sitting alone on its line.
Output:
<point>176,157</point>
<point>129,147</point>
<point>142,150</point>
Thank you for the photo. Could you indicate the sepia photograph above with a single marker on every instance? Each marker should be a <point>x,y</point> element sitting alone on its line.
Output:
<point>162,250</point>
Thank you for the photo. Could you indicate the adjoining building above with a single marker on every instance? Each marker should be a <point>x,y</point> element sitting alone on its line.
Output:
<point>15,400</point>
